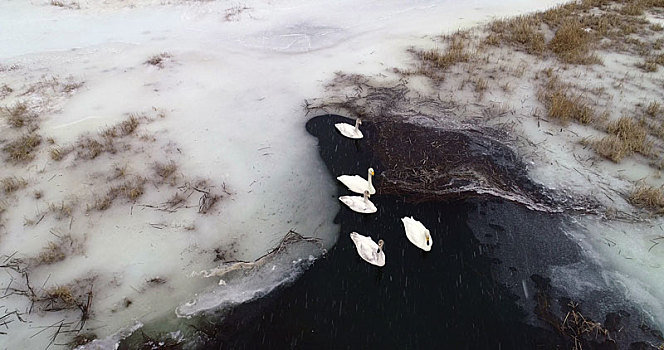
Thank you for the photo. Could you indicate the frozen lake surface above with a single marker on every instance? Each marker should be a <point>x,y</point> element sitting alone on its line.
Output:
<point>219,89</point>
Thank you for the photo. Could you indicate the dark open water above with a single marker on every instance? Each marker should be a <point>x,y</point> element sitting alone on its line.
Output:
<point>482,286</point>
<point>445,298</point>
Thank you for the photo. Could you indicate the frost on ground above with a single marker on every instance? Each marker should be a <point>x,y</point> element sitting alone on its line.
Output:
<point>143,140</point>
<point>578,92</point>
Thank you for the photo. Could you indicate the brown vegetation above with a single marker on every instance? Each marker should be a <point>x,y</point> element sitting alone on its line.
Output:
<point>632,134</point>
<point>434,61</point>
<point>634,8</point>
<point>62,210</point>
<point>90,146</point>
<point>165,171</point>
<point>577,27</point>
<point>63,4</point>
<point>653,109</point>
<point>651,198</point>
<point>158,60</point>
<point>129,189</point>
<point>572,44</point>
<point>5,90</point>
<point>481,85</point>
<point>564,104</point>
<point>627,136</point>
<point>57,153</point>
<point>611,147</point>
<point>22,149</point>
<point>18,115</point>
<point>51,254</point>
<point>12,183</point>
<point>75,295</point>
<point>523,32</point>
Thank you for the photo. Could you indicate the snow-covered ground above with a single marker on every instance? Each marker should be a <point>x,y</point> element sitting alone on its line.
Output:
<point>222,99</point>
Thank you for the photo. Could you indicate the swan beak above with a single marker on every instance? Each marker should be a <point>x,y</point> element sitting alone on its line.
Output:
<point>372,173</point>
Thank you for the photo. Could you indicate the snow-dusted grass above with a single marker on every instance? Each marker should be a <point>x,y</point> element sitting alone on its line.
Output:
<point>158,136</point>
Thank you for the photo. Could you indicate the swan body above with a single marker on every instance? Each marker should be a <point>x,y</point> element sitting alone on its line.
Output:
<point>350,131</point>
<point>368,249</point>
<point>357,184</point>
<point>360,204</point>
<point>417,233</point>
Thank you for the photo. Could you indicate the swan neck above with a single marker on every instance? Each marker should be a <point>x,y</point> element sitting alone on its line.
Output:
<point>369,179</point>
<point>357,125</point>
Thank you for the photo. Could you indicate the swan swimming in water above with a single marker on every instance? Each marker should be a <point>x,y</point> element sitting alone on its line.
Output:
<point>368,250</point>
<point>417,233</point>
<point>350,131</point>
<point>359,204</point>
<point>357,184</point>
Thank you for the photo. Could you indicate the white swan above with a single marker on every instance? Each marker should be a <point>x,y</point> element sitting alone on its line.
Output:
<point>357,184</point>
<point>417,233</point>
<point>360,204</point>
<point>350,131</point>
<point>369,251</point>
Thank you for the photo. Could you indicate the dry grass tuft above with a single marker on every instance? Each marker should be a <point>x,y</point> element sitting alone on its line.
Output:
<point>118,172</point>
<point>481,85</point>
<point>651,198</point>
<point>5,90</point>
<point>579,328</point>
<point>62,210</point>
<point>18,115</point>
<point>158,60</point>
<point>58,153</point>
<point>572,44</point>
<point>564,105</point>
<point>90,147</point>
<point>128,126</point>
<point>12,183</point>
<point>522,32</point>
<point>165,171</point>
<point>102,203</point>
<point>611,147</point>
<point>130,189</point>
<point>433,61</point>
<point>71,87</point>
<point>634,8</point>
<point>75,295</point>
<point>632,134</point>
<point>22,149</point>
<point>64,295</point>
<point>653,109</point>
<point>51,254</point>
<point>648,65</point>
<point>69,5</point>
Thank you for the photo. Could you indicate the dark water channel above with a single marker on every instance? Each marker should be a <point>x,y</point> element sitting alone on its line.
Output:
<point>457,296</point>
<point>445,298</point>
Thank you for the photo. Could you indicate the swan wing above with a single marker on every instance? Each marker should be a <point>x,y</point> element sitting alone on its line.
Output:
<point>356,184</point>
